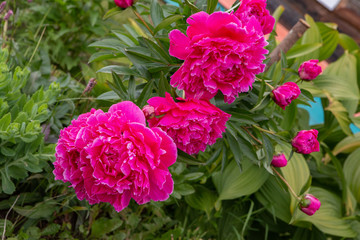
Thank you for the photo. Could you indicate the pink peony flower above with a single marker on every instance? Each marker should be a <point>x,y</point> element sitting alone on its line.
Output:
<point>306,142</point>
<point>309,70</point>
<point>221,53</point>
<point>192,124</point>
<point>113,157</point>
<point>279,160</point>
<point>309,204</point>
<point>256,8</point>
<point>284,94</point>
<point>124,3</point>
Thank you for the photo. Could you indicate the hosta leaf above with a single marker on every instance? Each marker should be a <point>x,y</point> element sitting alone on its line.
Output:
<point>352,173</point>
<point>203,199</point>
<point>233,184</point>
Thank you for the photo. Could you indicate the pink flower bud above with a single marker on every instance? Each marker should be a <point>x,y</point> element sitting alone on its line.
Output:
<point>149,111</point>
<point>306,142</point>
<point>124,3</point>
<point>309,204</point>
<point>309,70</point>
<point>2,6</point>
<point>283,95</point>
<point>279,160</point>
<point>8,15</point>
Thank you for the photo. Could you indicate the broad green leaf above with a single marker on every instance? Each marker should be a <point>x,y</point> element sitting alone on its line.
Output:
<point>289,117</point>
<point>311,36</point>
<point>352,173</point>
<point>347,145</point>
<point>233,184</point>
<point>343,78</point>
<point>330,39</point>
<point>104,55</point>
<point>167,22</point>
<point>7,185</point>
<point>275,199</point>
<point>5,122</point>
<point>203,199</point>
<point>348,43</point>
<point>329,217</point>
<point>184,189</point>
<point>302,50</point>
<point>41,210</point>
<point>341,115</point>
<point>111,12</point>
<point>103,225</point>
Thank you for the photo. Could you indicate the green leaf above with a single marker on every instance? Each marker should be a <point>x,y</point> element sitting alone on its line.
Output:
<point>352,173</point>
<point>330,39</point>
<point>233,184</point>
<point>341,115</point>
<point>156,12</point>
<point>145,94</point>
<point>7,185</point>
<point>329,217</point>
<point>118,70</point>
<point>5,122</point>
<point>184,189</point>
<point>41,210</point>
<point>211,6</point>
<point>50,229</point>
<point>348,43</point>
<point>167,22</point>
<point>112,44</point>
<point>203,199</point>
<point>289,117</point>
<point>118,87</point>
<point>103,225</point>
<point>110,95</point>
<point>111,12</point>
<point>302,50</point>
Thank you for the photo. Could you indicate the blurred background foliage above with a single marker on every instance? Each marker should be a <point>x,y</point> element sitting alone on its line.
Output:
<point>53,49</point>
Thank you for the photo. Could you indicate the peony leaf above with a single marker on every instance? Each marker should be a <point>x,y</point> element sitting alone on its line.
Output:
<point>302,50</point>
<point>330,40</point>
<point>167,22</point>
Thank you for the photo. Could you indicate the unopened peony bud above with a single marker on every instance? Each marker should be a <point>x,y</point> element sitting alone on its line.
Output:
<point>309,204</point>
<point>2,6</point>
<point>309,70</point>
<point>284,94</point>
<point>306,142</point>
<point>8,15</point>
<point>124,3</point>
<point>279,160</point>
<point>149,111</point>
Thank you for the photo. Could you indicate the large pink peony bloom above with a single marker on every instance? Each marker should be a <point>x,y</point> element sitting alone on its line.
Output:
<point>306,142</point>
<point>256,8</point>
<point>221,53</point>
<point>193,124</point>
<point>124,3</point>
<point>113,157</point>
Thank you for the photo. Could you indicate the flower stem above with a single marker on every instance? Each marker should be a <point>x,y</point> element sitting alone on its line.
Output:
<point>269,85</point>
<point>264,130</point>
<point>287,184</point>
<point>298,80</point>
<point>252,136</point>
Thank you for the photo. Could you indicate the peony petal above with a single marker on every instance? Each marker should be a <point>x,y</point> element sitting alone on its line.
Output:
<point>198,24</point>
<point>179,44</point>
<point>132,113</point>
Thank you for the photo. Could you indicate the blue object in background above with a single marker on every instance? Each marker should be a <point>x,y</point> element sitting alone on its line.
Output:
<point>316,113</point>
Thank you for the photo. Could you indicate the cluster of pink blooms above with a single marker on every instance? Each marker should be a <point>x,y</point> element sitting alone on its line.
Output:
<point>113,157</point>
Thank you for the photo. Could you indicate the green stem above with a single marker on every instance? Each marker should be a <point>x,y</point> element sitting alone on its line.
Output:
<point>287,184</point>
<point>298,80</point>
<point>269,85</point>
<point>264,130</point>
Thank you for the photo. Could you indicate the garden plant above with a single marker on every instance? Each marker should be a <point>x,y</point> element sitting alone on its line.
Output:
<point>176,120</point>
